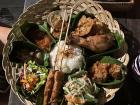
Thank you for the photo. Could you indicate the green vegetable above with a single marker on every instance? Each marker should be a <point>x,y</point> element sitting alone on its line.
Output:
<point>119,39</point>
<point>40,97</point>
<point>46,59</point>
<point>110,60</point>
<point>81,87</point>
<point>45,28</point>
<point>42,74</point>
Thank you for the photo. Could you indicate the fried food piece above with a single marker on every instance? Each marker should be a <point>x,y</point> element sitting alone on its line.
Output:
<point>40,38</point>
<point>74,99</point>
<point>100,43</point>
<point>84,26</point>
<point>44,42</point>
<point>97,43</point>
<point>115,71</point>
<point>88,26</point>
<point>48,87</point>
<point>57,27</point>
<point>100,72</point>
<point>58,78</point>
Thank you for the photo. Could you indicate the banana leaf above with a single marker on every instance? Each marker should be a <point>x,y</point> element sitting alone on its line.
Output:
<point>91,56</point>
<point>32,30</point>
<point>42,73</point>
<point>110,60</point>
<point>22,52</point>
<point>18,48</point>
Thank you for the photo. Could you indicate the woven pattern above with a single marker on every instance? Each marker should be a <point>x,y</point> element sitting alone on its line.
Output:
<point>38,13</point>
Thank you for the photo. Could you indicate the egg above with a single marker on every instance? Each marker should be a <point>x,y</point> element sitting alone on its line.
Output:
<point>66,58</point>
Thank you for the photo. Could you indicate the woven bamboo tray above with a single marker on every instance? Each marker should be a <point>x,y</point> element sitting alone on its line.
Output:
<point>38,13</point>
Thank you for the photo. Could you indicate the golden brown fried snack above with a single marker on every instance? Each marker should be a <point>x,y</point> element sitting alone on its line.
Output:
<point>115,71</point>
<point>84,26</point>
<point>48,87</point>
<point>100,72</point>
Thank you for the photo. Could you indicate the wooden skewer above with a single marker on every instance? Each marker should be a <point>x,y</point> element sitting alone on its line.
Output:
<point>60,36</point>
<point>66,35</point>
<point>25,67</point>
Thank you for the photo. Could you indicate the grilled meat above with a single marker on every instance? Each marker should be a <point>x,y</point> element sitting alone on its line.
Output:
<point>48,87</point>
<point>53,87</point>
<point>58,78</point>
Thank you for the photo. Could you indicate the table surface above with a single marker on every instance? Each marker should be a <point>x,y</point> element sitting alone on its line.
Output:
<point>130,92</point>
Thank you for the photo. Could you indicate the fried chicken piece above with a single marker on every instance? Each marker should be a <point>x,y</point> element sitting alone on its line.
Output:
<point>97,43</point>
<point>115,71</point>
<point>84,26</point>
<point>58,77</point>
<point>100,72</point>
<point>100,43</point>
<point>48,87</point>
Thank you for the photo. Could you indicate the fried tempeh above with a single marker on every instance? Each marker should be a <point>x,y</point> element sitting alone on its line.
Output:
<point>48,87</point>
<point>58,78</point>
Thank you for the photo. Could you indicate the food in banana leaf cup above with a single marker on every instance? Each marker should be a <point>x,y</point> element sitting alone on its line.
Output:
<point>79,89</point>
<point>94,36</point>
<point>31,80</point>
<point>38,34</point>
<point>22,51</point>
<point>108,72</point>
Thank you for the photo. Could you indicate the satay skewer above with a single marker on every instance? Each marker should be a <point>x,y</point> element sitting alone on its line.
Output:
<point>67,31</point>
<point>60,36</point>
<point>24,70</point>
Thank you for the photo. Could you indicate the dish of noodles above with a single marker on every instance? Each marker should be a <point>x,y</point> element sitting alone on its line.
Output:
<point>69,59</point>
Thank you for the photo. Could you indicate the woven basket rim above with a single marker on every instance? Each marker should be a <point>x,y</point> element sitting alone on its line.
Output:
<point>9,79</point>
